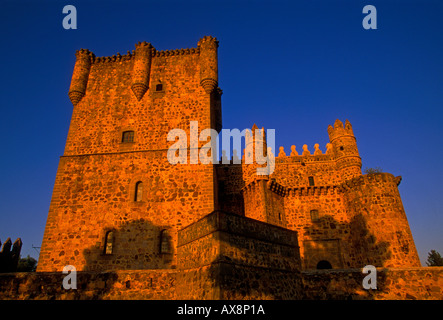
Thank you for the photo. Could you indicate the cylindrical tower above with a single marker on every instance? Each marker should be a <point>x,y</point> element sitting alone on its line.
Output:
<point>142,68</point>
<point>208,63</point>
<point>80,75</point>
<point>380,232</point>
<point>255,154</point>
<point>345,149</point>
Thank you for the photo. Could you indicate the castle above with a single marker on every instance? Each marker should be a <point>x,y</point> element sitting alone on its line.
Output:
<point>120,210</point>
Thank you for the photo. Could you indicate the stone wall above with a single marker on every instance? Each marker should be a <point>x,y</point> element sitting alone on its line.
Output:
<point>380,230</point>
<point>226,256</point>
<point>94,194</point>
<point>349,225</point>
<point>148,92</point>
<point>227,281</point>
<point>231,238</point>
<point>325,234</point>
<point>118,285</point>
<point>424,283</point>
<point>230,185</point>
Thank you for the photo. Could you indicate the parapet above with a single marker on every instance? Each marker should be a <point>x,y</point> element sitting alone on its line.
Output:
<point>306,153</point>
<point>142,56</point>
<point>226,237</point>
<point>370,178</point>
<point>340,130</point>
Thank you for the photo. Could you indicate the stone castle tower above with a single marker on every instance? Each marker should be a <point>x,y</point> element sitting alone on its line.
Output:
<point>118,204</point>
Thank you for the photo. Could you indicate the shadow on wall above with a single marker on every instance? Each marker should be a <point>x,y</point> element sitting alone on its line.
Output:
<point>238,281</point>
<point>239,278</point>
<point>331,244</point>
<point>255,260</point>
<point>135,245</point>
<point>230,193</point>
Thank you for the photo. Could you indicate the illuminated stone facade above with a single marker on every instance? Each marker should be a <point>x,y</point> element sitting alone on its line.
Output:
<point>220,231</point>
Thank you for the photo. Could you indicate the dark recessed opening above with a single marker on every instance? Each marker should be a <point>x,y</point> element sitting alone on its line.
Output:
<point>323,264</point>
<point>159,87</point>
<point>138,195</point>
<point>128,136</point>
<point>311,181</point>
<point>314,215</point>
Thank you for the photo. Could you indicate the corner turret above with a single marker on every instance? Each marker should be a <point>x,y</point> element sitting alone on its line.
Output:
<point>142,69</point>
<point>80,75</point>
<point>208,63</point>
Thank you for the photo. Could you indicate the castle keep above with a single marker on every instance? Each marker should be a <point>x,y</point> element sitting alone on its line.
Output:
<point>120,210</point>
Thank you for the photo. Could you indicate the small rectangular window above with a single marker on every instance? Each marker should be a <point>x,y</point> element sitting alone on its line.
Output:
<point>159,87</point>
<point>165,245</point>
<point>311,181</point>
<point>109,242</point>
<point>314,215</point>
<point>128,136</point>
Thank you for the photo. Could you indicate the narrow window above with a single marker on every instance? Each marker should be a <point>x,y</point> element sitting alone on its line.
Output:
<point>109,242</point>
<point>138,196</point>
<point>314,215</point>
<point>165,246</point>
<point>159,87</point>
<point>311,181</point>
<point>128,136</point>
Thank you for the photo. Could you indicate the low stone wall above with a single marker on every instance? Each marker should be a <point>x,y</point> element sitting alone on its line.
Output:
<point>226,281</point>
<point>421,283</point>
<point>224,237</point>
<point>122,285</point>
<point>230,257</point>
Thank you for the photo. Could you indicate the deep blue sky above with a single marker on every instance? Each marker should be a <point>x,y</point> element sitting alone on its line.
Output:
<point>294,66</point>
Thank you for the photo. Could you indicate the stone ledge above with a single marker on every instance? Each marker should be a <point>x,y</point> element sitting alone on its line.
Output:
<point>237,225</point>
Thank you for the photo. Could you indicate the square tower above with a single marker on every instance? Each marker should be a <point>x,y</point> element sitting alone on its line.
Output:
<point>117,202</point>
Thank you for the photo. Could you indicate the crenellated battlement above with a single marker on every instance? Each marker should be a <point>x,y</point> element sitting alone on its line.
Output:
<point>327,155</point>
<point>155,53</point>
<point>340,130</point>
<point>370,179</point>
<point>84,54</point>
<point>346,186</point>
<point>142,57</point>
<point>208,40</point>
<point>286,191</point>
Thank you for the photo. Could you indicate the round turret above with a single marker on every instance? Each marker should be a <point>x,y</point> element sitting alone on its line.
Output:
<point>80,75</point>
<point>344,146</point>
<point>208,63</point>
<point>380,229</point>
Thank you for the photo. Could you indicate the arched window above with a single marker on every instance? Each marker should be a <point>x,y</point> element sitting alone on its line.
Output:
<point>109,242</point>
<point>138,195</point>
<point>165,242</point>
<point>128,136</point>
<point>323,264</point>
